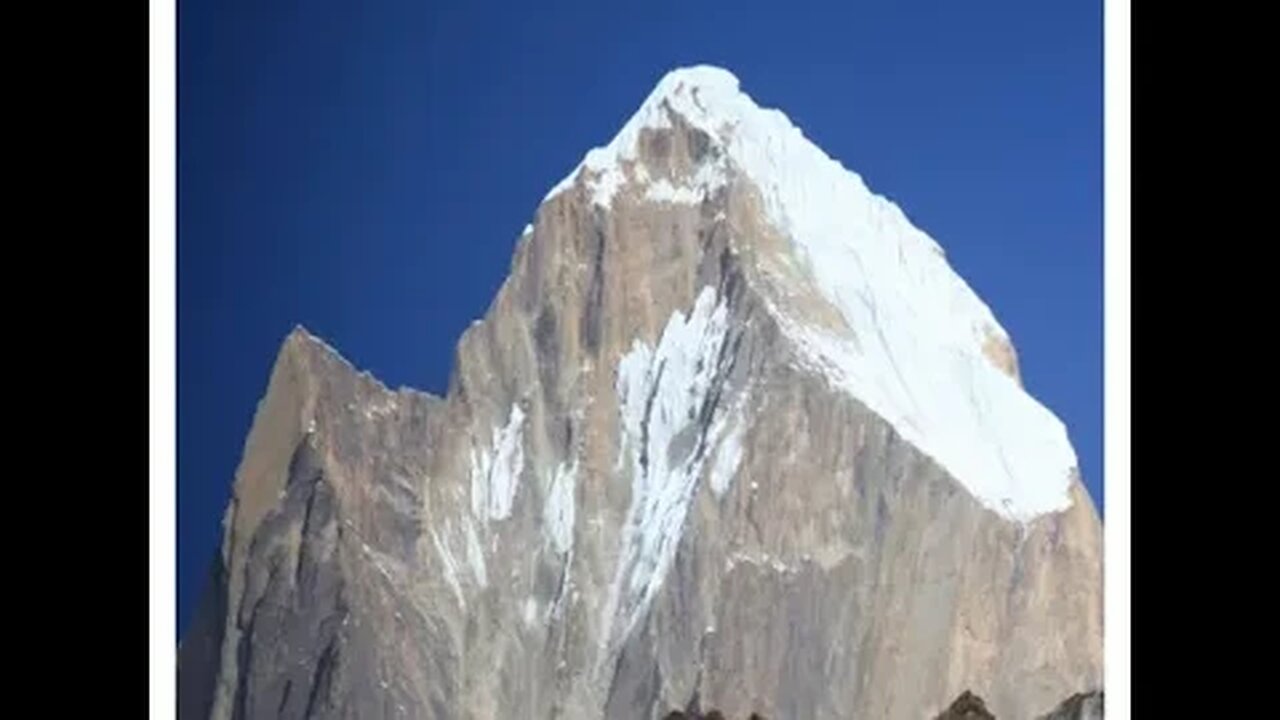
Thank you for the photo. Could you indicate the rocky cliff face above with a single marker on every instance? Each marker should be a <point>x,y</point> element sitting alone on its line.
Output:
<point>731,430</point>
<point>1081,706</point>
<point>966,707</point>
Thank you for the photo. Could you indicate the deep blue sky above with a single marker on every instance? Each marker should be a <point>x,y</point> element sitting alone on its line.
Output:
<point>364,168</point>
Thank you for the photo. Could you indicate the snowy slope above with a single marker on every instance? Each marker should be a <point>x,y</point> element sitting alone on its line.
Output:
<point>914,343</point>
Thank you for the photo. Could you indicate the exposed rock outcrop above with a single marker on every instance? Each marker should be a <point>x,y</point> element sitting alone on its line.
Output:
<point>1081,706</point>
<point>967,707</point>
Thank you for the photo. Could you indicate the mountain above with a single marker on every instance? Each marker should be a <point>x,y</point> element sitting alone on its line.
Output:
<point>732,435</point>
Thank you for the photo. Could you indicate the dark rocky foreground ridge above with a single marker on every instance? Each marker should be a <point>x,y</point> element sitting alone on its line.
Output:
<point>1081,706</point>
<point>639,488</point>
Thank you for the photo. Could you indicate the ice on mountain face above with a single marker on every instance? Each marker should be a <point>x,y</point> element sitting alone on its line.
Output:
<point>604,165</point>
<point>529,612</point>
<point>475,554</point>
<point>709,177</point>
<point>914,336</point>
<point>664,191</point>
<point>662,391</point>
<point>449,565</point>
<point>495,474</point>
<point>729,453</point>
<point>560,508</point>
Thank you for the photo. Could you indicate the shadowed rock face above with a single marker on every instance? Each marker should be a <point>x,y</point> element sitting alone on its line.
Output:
<point>635,491</point>
<point>1081,706</point>
<point>967,707</point>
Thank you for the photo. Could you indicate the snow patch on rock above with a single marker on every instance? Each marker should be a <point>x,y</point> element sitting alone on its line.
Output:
<point>560,507</point>
<point>729,451</point>
<point>914,341</point>
<point>475,554</point>
<point>663,391</point>
<point>449,566</point>
<point>495,473</point>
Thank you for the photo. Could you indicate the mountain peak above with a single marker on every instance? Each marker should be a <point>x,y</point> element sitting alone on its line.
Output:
<point>697,77</point>
<point>912,340</point>
<point>706,97</point>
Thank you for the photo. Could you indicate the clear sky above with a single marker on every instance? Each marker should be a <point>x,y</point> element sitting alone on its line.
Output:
<point>364,168</point>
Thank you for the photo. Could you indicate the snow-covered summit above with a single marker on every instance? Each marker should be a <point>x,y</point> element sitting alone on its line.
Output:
<point>917,345</point>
